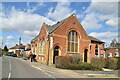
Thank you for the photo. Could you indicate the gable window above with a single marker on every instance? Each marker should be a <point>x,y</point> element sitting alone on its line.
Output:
<point>72,42</point>
<point>96,50</point>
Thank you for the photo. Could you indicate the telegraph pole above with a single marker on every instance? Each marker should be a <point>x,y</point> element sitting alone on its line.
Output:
<point>19,44</point>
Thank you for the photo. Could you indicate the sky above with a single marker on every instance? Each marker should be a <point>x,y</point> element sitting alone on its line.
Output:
<point>24,19</point>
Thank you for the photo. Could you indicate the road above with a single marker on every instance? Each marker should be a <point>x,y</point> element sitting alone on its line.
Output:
<point>13,69</point>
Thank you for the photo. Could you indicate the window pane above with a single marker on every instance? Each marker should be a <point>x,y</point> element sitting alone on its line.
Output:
<point>68,46</point>
<point>76,48</point>
<point>96,50</point>
<point>72,41</point>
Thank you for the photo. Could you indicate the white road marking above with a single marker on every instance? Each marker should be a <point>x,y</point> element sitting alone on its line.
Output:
<point>44,72</point>
<point>10,66</point>
<point>9,76</point>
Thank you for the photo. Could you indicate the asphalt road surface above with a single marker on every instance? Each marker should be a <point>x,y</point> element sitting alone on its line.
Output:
<point>14,69</point>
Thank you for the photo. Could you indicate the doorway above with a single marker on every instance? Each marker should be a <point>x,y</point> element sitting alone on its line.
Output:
<point>85,55</point>
<point>56,53</point>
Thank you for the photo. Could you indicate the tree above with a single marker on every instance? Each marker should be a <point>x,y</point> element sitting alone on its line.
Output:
<point>5,48</point>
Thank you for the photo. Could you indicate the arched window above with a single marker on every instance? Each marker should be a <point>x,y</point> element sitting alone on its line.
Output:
<point>96,50</point>
<point>42,47</point>
<point>72,42</point>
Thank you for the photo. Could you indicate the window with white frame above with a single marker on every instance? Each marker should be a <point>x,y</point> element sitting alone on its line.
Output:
<point>116,54</point>
<point>110,55</point>
<point>102,55</point>
<point>72,42</point>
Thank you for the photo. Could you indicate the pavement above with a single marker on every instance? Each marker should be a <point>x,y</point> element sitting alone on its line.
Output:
<point>73,73</point>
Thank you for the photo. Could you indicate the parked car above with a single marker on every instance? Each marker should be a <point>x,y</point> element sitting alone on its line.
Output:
<point>10,54</point>
<point>14,55</point>
<point>0,54</point>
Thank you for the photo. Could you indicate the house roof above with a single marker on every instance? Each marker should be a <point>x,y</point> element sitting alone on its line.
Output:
<point>55,26</point>
<point>93,39</point>
<point>34,39</point>
<point>14,47</point>
<point>18,47</point>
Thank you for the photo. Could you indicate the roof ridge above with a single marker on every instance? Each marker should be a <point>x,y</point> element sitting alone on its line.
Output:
<point>64,19</point>
<point>59,23</point>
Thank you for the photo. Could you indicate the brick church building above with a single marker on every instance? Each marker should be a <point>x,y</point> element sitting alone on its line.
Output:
<point>66,37</point>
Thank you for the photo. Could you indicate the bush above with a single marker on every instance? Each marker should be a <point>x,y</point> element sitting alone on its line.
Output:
<point>81,66</point>
<point>98,62</point>
<point>118,65</point>
<point>62,61</point>
<point>76,58</point>
<point>111,63</point>
<point>66,62</point>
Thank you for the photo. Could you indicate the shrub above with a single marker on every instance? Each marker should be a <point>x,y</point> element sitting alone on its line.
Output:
<point>76,58</point>
<point>62,61</point>
<point>66,62</point>
<point>118,65</point>
<point>111,63</point>
<point>98,62</point>
<point>81,66</point>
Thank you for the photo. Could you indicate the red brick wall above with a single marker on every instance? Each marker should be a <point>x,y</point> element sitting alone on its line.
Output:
<point>99,49</point>
<point>111,50</point>
<point>64,30</point>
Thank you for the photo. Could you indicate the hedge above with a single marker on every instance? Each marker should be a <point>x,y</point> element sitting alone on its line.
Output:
<point>81,66</point>
<point>68,62</point>
<point>110,63</point>
<point>98,62</point>
<point>63,61</point>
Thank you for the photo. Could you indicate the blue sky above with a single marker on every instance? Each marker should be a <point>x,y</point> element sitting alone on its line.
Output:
<point>24,19</point>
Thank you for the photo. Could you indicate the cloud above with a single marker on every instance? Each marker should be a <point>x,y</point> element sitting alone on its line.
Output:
<point>107,37</point>
<point>31,34</point>
<point>10,37</point>
<point>32,9</point>
<point>91,22</point>
<point>61,11</point>
<point>98,12</point>
<point>21,21</point>
<point>113,23</point>
<point>104,34</point>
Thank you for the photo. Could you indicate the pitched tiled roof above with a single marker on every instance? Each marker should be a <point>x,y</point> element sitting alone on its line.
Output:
<point>55,26</point>
<point>34,39</point>
<point>13,47</point>
<point>18,47</point>
<point>93,39</point>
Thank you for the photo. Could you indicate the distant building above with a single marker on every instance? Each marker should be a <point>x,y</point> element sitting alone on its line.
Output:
<point>17,49</point>
<point>66,37</point>
<point>113,50</point>
<point>28,49</point>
